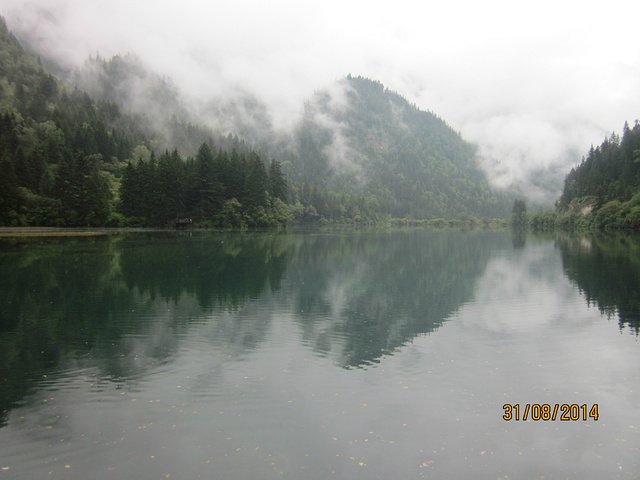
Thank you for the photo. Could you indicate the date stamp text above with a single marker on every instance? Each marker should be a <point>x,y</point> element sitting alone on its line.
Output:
<point>564,412</point>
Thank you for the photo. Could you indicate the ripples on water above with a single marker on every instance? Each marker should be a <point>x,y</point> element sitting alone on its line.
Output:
<point>346,356</point>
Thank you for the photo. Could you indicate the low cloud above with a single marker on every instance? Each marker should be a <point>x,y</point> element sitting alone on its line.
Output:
<point>534,84</point>
<point>327,109</point>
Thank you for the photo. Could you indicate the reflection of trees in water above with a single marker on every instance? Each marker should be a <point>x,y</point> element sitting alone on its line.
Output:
<point>224,269</point>
<point>120,305</point>
<point>367,295</point>
<point>606,269</point>
<point>54,297</point>
<point>94,300</point>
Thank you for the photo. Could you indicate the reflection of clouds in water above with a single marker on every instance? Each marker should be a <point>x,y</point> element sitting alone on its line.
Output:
<point>538,331</point>
<point>342,287</point>
<point>523,291</point>
<point>258,384</point>
<point>529,337</point>
<point>533,99</point>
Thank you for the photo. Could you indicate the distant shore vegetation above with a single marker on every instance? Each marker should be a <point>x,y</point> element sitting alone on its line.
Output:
<point>70,160</point>
<point>601,193</point>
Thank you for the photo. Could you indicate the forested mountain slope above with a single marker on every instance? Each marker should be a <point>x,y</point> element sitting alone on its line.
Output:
<point>359,154</point>
<point>43,127</point>
<point>63,156</point>
<point>606,184</point>
<point>359,136</point>
<point>162,113</point>
<point>609,172</point>
<point>357,144</point>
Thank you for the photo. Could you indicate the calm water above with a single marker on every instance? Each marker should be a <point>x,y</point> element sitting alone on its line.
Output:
<point>315,356</point>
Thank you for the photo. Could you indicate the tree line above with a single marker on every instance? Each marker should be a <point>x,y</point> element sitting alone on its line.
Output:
<point>69,160</point>
<point>411,161</point>
<point>221,190</point>
<point>603,191</point>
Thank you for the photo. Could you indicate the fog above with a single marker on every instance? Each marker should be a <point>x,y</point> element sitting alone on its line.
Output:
<point>533,84</point>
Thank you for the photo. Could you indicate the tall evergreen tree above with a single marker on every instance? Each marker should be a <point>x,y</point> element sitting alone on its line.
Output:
<point>256,183</point>
<point>277,183</point>
<point>9,193</point>
<point>518,218</point>
<point>206,188</point>
<point>170,186</point>
<point>236,176</point>
<point>129,194</point>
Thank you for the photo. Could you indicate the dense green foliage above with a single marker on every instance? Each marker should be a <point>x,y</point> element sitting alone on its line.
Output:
<point>72,158</point>
<point>63,157</point>
<point>603,192</point>
<point>610,172</point>
<point>400,160</point>
<point>60,152</point>
<point>52,143</point>
<point>518,217</point>
<point>215,190</point>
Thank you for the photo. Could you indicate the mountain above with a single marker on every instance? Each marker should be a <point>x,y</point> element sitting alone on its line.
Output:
<point>43,126</point>
<point>606,184</point>
<point>354,137</point>
<point>360,137</point>
<point>66,158</point>
<point>359,153</point>
<point>162,113</point>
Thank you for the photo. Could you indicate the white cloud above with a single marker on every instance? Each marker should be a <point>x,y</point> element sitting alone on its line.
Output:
<point>522,79</point>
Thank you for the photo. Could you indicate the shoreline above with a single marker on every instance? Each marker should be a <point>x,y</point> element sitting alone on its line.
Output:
<point>69,232</point>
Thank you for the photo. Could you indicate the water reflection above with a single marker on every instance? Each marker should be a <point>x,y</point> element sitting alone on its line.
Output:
<point>364,297</point>
<point>606,269</point>
<point>93,300</point>
<point>355,297</point>
<point>309,356</point>
<point>222,270</point>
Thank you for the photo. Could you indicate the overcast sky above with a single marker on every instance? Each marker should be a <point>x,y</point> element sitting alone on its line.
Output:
<point>534,84</point>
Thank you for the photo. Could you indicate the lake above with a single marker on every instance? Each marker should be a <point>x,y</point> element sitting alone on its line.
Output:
<point>353,355</point>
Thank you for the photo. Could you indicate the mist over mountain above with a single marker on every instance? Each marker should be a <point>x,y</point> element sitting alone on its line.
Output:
<point>65,157</point>
<point>358,151</point>
<point>354,135</point>
<point>169,118</point>
<point>359,135</point>
<point>530,84</point>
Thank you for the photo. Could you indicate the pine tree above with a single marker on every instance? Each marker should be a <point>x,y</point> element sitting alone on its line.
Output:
<point>171,186</point>
<point>277,183</point>
<point>9,193</point>
<point>518,217</point>
<point>129,194</point>
<point>256,183</point>
<point>236,176</point>
<point>207,189</point>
